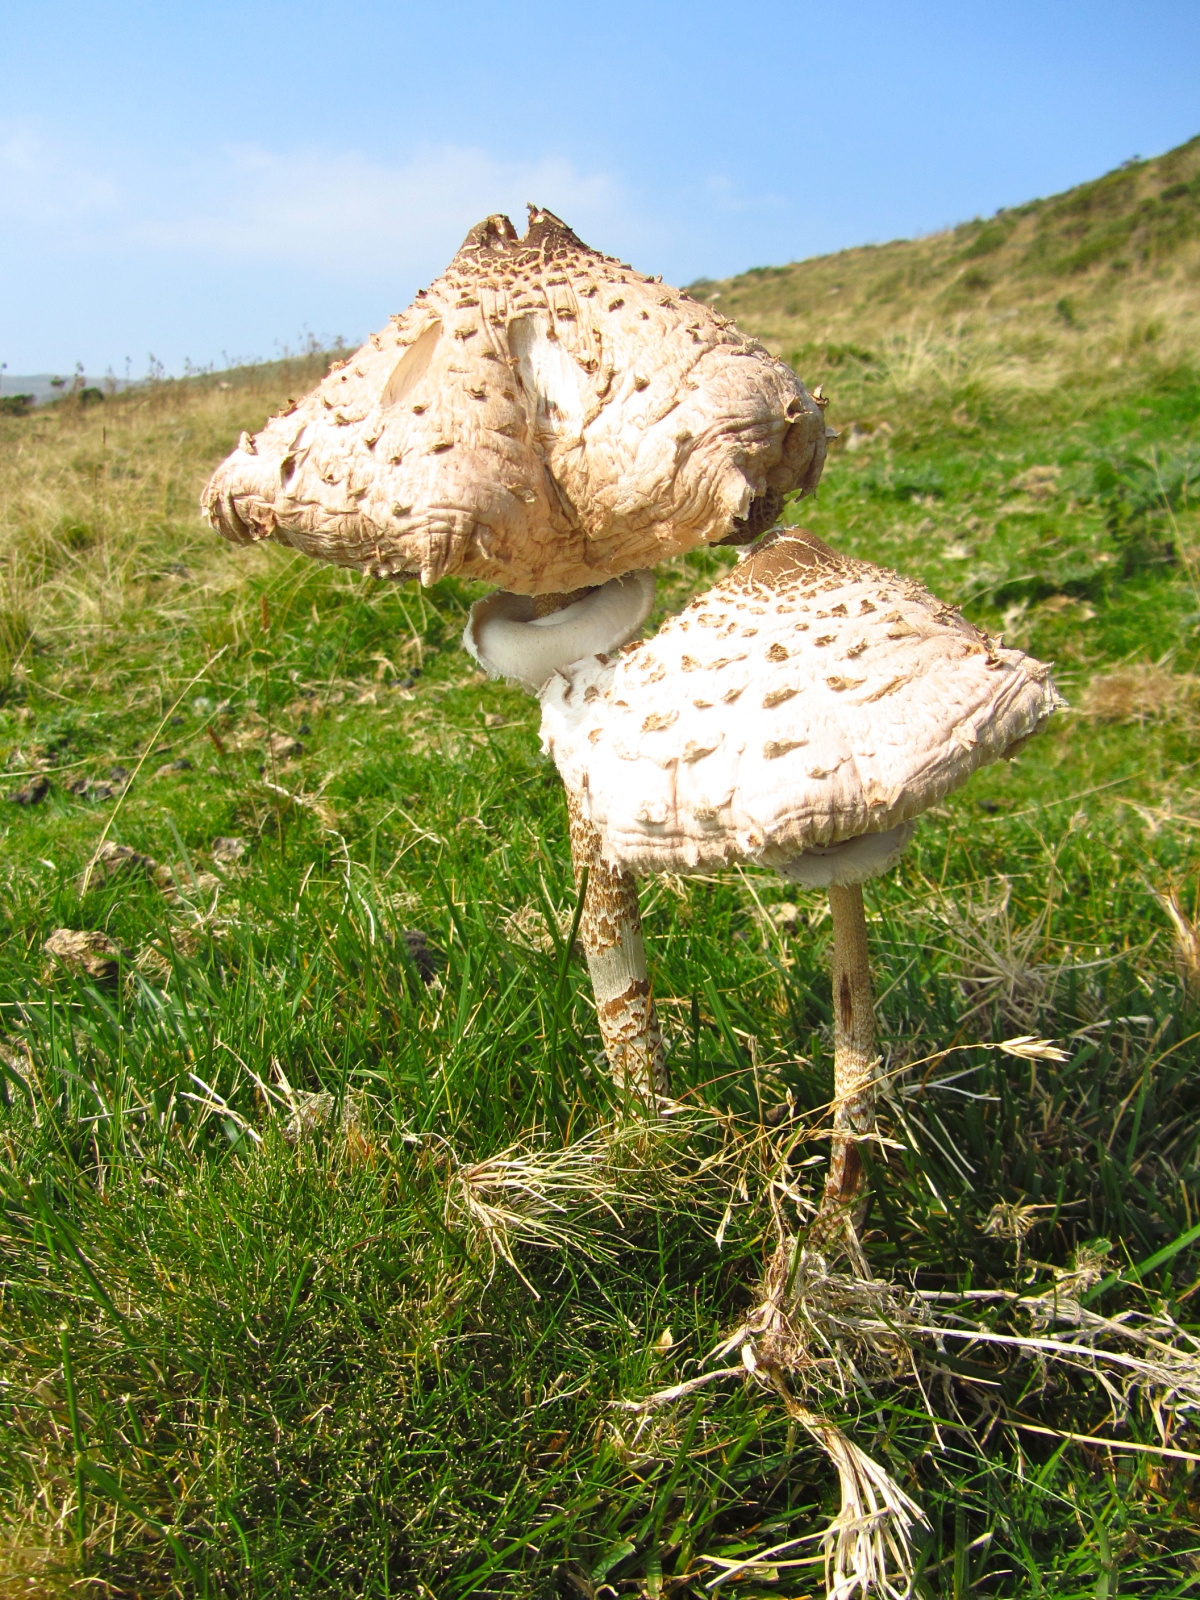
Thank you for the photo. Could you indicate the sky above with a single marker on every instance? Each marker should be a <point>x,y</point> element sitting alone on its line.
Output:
<point>216,182</point>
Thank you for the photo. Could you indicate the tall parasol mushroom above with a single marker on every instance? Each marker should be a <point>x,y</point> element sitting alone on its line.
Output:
<point>800,715</point>
<point>546,419</point>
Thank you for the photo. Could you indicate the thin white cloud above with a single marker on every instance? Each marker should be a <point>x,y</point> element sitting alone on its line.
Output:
<point>721,194</point>
<point>44,184</point>
<point>337,212</point>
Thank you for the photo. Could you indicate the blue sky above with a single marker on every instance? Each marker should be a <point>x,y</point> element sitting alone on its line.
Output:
<point>215,179</point>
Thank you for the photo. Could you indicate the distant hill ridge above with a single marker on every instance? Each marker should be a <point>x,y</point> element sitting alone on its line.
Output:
<point>1079,255</point>
<point>44,386</point>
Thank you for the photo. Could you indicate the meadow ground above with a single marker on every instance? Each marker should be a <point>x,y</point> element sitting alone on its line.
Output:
<point>320,1271</point>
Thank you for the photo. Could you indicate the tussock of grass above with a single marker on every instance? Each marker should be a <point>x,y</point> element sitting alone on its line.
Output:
<point>1139,692</point>
<point>320,1270</point>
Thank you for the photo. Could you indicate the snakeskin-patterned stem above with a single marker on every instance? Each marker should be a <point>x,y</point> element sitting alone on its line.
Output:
<point>854,1069</point>
<point>610,931</point>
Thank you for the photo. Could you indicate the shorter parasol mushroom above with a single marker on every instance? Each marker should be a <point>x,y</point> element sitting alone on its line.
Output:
<point>799,715</point>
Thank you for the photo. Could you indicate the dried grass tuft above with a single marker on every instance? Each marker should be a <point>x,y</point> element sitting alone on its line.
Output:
<point>534,1195</point>
<point>997,956</point>
<point>868,1547</point>
<point>1140,693</point>
<point>818,1332</point>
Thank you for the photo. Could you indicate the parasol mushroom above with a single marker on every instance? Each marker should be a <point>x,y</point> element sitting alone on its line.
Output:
<point>799,715</point>
<point>542,417</point>
<point>546,419</point>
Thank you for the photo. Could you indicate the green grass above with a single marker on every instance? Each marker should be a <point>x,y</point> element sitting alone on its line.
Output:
<point>238,1365</point>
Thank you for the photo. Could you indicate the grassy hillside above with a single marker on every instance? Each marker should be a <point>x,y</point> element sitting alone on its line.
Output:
<point>320,1263</point>
<point>1042,288</point>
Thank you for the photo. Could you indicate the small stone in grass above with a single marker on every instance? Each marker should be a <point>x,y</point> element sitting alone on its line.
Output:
<point>227,851</point>
<point>90,954</point>
<point>31,793</point>
<point>426,957</point>
<point>114,861</point>
<point>785,916</point>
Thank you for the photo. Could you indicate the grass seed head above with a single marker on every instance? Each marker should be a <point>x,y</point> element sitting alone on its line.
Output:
<point>1187,938</point>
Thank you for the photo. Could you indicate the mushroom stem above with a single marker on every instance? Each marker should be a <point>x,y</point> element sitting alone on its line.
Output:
<point>854,1064</point>
<point>610,931</point>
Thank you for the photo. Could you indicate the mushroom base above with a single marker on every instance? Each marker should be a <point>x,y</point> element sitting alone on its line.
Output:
<point>610,931</point>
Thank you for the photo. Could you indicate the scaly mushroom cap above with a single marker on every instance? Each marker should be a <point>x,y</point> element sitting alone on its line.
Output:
<point>806,700</point>
<point>542,418</point>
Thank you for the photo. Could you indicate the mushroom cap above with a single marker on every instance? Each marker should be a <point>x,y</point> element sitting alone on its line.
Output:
<point>542,418</point>
<point>807,699</point>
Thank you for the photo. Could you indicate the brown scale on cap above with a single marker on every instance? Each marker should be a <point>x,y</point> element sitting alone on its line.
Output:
<point>542,418</point>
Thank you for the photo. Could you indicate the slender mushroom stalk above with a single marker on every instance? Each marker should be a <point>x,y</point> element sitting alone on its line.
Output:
<point>841,871</point>
<point>610,931</point>
<point>529,640</point>
<point>854,1062</point>
<point>610,934</point>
